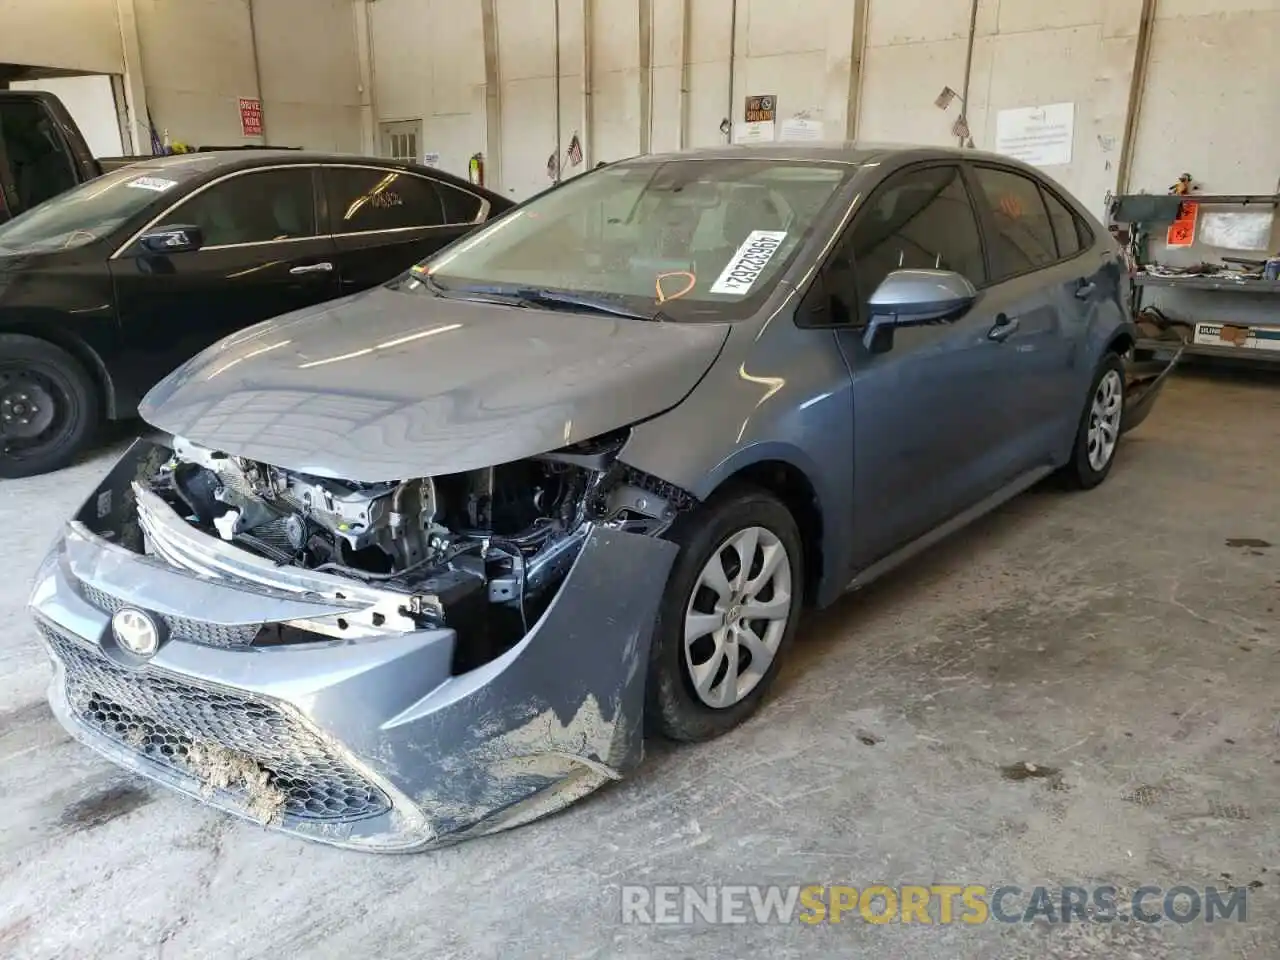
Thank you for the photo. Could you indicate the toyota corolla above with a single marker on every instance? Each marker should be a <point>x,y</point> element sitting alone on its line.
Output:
<point>429,561</point>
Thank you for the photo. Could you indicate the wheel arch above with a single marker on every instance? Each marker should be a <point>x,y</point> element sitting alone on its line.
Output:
<point>1121,342</point>
<point>47,329</point>
<point>788,475</point>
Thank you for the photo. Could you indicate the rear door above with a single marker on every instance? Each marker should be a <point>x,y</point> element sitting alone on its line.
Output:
<point>263,255</point>
<point>386,219</point>
<point>1038,284</point>
<point>927,436</point>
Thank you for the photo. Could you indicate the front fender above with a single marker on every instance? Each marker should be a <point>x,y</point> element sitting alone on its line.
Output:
<point>60,329</point>
<point>778,393</point>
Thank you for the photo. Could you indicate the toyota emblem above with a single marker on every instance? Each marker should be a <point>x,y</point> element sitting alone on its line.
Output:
<point>136,631</point>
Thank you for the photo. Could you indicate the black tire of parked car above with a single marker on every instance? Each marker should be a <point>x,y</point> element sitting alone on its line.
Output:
<point>29,364</point>
<point>1079,472</point>
<point>672,707</point>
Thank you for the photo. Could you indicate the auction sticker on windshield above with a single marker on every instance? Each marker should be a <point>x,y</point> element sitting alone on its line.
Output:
<point>748,262</point>
<point>158,184</point>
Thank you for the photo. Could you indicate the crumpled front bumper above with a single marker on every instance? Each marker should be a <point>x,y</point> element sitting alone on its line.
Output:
<point>369,743</point>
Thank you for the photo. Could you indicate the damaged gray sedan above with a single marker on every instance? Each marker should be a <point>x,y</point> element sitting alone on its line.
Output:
<point>428,562</point>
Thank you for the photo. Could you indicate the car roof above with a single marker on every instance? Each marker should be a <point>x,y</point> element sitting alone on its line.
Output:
<point>854,152</point>
<point>217,162</point>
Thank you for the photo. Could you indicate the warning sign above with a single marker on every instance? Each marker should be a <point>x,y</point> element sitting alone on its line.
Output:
<point>762,109</point>
<point>251,116</point>
<point>1182,232</point>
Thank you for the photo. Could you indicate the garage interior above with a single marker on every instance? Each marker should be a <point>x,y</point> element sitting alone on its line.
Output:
<point>1073,691</point>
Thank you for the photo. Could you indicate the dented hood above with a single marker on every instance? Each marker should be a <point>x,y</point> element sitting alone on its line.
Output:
<point>388,384</point>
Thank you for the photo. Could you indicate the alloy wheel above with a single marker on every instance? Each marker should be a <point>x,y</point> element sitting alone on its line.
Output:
<point>1104,419</point>
<point>737,616</point>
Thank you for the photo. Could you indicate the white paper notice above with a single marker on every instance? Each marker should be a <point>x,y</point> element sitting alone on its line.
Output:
<point>758,131</point>
<point>1041,136</point>
<point>431,159</point>
<point>748,262</point>
<point>158,184</point>
<point>1236,229</point>
<point>802,128</point>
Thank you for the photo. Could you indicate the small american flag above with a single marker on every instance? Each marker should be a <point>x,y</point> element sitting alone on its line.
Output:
<point>575,151</point>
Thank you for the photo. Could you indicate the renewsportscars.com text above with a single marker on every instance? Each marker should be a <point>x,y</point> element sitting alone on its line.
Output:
<point>938,903</point>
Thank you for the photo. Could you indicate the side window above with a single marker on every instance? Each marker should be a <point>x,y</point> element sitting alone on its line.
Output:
<point>459,206</point>
<point>1065,229</point>
<point>917,219</point>
<point>254,207</point>
<point>39,166</point>
<point>362,199</point>
<point>1023,237</point>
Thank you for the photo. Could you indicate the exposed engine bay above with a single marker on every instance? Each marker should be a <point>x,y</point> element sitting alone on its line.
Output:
<point>481,551</point>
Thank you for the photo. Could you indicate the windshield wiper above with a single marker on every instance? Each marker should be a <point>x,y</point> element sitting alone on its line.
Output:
<point>467,293</point>
<point>556,298</point>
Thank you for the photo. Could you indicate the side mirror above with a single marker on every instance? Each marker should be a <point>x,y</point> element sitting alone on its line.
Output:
<point>172,239</point>
<point>913,297</point>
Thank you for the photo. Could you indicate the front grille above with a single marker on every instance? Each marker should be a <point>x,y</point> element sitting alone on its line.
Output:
<point>197,631</point>
<point>179,724</point>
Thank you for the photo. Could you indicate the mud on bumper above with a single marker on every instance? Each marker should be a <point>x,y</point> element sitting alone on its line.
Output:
<point>371,743</point>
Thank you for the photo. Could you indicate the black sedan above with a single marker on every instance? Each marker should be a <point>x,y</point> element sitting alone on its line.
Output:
<point>106,288</point>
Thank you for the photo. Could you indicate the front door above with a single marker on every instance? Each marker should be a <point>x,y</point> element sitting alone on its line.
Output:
<point>262,256</point>
<point>928,411</point>
<point>385,220</point>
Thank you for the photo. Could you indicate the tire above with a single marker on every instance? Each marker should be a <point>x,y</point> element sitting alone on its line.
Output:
<point>49,406</point>
<point>674,707</point>
<point>1085,470</point>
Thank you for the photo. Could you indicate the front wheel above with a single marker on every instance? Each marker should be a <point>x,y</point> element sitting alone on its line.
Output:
<point>48,406</point>
<point>1098,434</point>
<point>729,612</point>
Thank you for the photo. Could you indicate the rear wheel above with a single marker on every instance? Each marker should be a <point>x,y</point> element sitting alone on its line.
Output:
<point>48,406</point>
<point>729,612</point>
<point>1098,434</point>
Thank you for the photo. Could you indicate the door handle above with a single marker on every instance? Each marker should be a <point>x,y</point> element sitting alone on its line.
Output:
<point>1005,326</point>
<point>1086,289</point>
<point>312,268</point>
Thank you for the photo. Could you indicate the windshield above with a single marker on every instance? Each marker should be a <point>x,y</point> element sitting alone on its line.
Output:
<point>86,213</point>
<point>693,239</point>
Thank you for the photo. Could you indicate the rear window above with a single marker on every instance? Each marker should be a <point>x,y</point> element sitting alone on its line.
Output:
<point>34,162</point>
<point>1066,229</point>
<point>368,200</point>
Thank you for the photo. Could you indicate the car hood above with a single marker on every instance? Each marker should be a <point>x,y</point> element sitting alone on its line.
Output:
<point>389,384</point>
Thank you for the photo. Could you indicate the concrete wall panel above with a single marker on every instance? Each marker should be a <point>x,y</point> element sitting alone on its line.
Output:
<point>197,61</point>
<point>310,73</point>
<point>1212,99</point>
<point>81,35</point>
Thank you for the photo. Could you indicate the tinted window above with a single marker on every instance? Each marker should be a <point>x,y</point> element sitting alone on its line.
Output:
<point>1023,237</point>
<point>38,166</point>
<point>362,199</point>
<point>459,206</point>
<point>918,219</point>
<point>253,208</point>
<point>1065,230</point>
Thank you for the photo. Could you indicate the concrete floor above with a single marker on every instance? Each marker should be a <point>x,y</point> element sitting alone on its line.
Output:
<point>1113,635</point>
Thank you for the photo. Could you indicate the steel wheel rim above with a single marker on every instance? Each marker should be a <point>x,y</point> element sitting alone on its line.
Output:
<point>35,410</point>
<point>1104,419</point>
<point>736,616</point>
